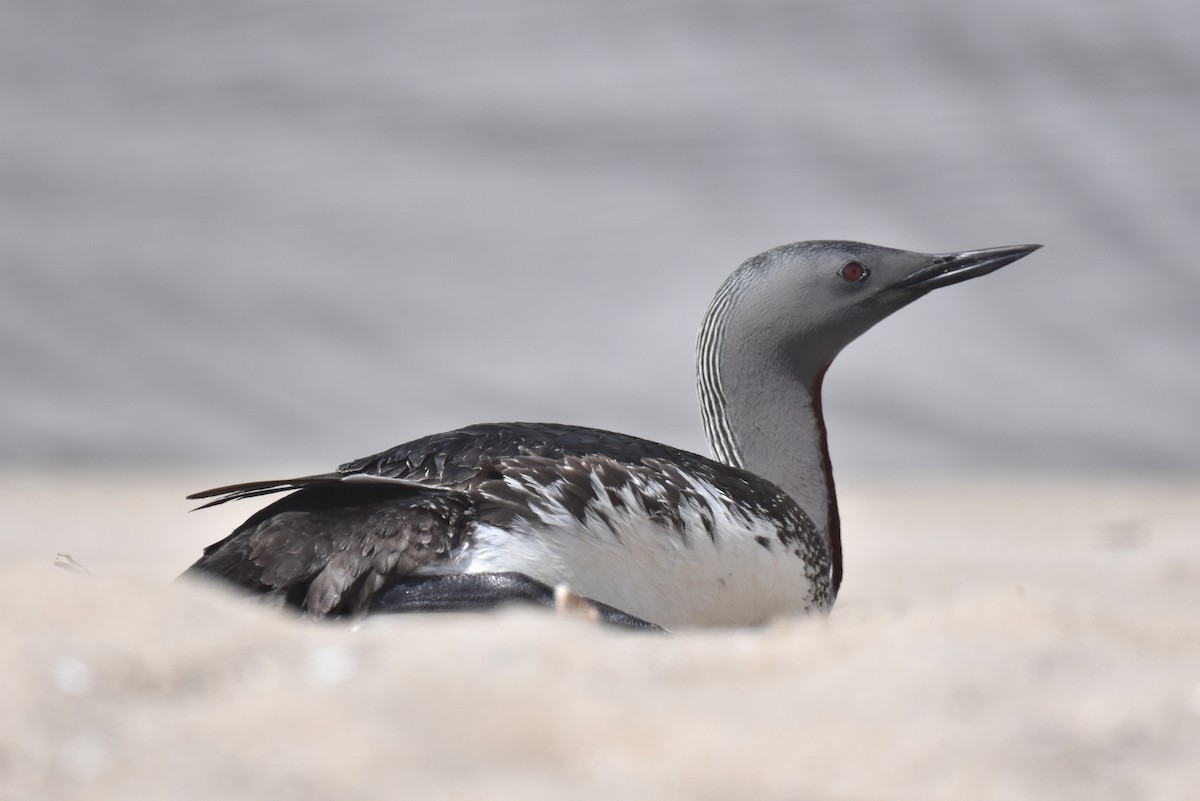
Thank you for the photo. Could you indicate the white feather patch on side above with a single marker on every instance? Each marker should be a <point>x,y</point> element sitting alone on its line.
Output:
<point>720,566</point>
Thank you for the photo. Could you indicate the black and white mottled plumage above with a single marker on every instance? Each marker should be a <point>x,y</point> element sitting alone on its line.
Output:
<point>650,534</point>
<point>608,511</point>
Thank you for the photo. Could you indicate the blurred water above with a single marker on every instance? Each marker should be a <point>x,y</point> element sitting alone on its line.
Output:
<point>294,231</point>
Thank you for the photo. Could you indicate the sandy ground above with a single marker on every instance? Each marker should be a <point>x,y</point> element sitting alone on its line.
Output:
<point>995,640</point>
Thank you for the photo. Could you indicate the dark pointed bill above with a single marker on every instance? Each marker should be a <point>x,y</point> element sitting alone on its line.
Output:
<point>951,268</point>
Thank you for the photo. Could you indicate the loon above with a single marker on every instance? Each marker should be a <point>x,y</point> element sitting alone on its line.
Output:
<point>647,534</point>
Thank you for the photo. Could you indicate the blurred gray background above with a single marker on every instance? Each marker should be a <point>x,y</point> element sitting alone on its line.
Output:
<point>303,232</point>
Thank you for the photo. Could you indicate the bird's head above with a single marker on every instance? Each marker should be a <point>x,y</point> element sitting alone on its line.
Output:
<point>806,301</point>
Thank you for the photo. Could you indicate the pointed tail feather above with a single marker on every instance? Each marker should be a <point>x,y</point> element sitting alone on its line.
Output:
<point>252,489</point>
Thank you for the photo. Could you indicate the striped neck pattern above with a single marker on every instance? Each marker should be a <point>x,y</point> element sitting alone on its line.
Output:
<point>709,346</point>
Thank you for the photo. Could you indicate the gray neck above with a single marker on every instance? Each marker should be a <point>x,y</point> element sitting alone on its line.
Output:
<point>762,412</point>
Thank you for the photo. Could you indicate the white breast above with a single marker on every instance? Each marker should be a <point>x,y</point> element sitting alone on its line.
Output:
<point>720,565</point>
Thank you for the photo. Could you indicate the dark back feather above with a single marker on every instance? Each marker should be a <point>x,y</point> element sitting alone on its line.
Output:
<point>327,549</point>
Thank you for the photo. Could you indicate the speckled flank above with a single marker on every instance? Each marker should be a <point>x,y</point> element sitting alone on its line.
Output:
<point>662,545</point>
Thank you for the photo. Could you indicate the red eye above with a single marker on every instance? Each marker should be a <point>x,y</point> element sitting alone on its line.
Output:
<point>853,271</point>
